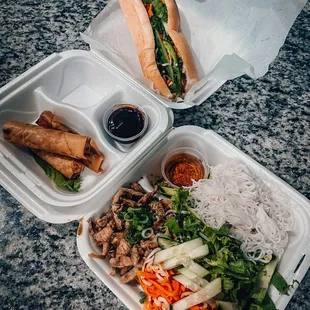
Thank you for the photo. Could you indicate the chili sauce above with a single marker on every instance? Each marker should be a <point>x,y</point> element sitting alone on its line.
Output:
<point>182,168</point>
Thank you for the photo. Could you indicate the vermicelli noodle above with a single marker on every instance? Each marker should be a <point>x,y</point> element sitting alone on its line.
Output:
<point>258,212</point>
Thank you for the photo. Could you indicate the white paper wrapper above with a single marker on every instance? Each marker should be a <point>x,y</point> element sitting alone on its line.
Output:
<point>229,38</point>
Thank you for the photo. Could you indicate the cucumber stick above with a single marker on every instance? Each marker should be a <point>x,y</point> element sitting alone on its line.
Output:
<point>209,291</point>
<point>193,276</point>
<point>225,305</point>
<point>168,191</point>
<point>166,243</point>
<point>263,281</point>
<point>188,283</point>
<point>197,281</point>
<point>164,53</point>
<point>177,250</point>
<point>177,80</point>
<point>197,269</point>
<point>185,259</point>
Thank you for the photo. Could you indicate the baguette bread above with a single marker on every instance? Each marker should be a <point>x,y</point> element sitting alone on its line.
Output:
<point>142,33</point>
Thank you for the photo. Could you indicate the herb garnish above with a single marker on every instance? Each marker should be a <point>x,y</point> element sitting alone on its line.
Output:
<point>140,219</point>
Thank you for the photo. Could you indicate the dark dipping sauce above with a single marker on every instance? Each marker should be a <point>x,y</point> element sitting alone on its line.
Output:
<point>126,122</point>
<point>182,168</point>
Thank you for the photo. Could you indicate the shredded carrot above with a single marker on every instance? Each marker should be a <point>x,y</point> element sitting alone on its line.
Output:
<point>149,9</point>
<point>163,286</point>
<point>157,282</point>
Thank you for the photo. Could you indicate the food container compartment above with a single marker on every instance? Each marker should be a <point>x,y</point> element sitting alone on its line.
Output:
<point>79,88</point>
<point>217,151</point>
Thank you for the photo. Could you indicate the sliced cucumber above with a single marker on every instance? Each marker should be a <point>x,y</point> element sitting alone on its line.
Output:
<point>197,269</point>
<point>263,281</point>
<point>176,69</point>
<point>164,53</point>
<point>185,259</point>
<point>177,250</point>
<point>225,305</point>
<point>166,243</point>
<point>188,283</point>
<point>209,291</point>
<point>193,276</point>
<point>168,191</point>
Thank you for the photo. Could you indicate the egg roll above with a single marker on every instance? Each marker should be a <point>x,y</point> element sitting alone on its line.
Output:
<point>51,121</point>
<point>94,160</point>
<point>69,167</point>
<point>49,140</point>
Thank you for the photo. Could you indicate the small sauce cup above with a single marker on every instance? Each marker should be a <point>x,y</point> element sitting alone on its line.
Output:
<point>125,123</point>
<point>182,165</point>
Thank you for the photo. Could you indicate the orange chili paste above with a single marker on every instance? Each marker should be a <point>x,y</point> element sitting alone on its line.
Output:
<point>182,168</point>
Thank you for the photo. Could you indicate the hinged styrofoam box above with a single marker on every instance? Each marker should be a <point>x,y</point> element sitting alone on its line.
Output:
<point>79,86</point>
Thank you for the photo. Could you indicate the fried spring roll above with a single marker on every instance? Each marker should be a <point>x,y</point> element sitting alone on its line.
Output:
<point>67,166</point>
<point>49,140</point>
<point>49,120</point>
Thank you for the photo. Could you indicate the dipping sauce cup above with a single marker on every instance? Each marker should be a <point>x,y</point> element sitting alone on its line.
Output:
<point>125,123</point>
<point>182,165</point>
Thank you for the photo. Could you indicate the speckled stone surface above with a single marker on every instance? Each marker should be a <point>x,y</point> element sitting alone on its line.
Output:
<point>269,119</point>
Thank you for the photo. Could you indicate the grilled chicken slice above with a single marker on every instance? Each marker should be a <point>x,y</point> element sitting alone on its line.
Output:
<point>137,187</point>
<point>124,270</point>
<point>118,222</point>
<point>105,248</point>
<point>149,244</point>
<point>117,237</point>
<point>120,261</point>
<point>131,203</point>
<point>92,229</point>
<point>103,221</point>
<point>112,271</point>
<point>158,208</point>
<point>167,203</point>
<point>123,248</point>
<point>135,255</point>
<point>104,235</point>
<point>129,276</point>
<point>146,198</point>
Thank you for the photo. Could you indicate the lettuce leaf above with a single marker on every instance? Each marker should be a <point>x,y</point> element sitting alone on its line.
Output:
<point>59,180</point>
<point>173,225</point>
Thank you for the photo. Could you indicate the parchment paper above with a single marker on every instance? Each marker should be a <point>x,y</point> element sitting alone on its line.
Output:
<point>229,38</point>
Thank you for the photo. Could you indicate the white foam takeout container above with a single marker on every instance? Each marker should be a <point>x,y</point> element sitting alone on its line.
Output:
<point>79,86</point>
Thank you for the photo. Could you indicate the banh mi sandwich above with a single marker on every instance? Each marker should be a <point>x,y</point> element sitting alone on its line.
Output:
<point>165,56</point>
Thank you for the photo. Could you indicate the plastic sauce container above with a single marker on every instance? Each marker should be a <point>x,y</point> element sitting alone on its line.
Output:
<point>183,165</point>
<point>125,123</point>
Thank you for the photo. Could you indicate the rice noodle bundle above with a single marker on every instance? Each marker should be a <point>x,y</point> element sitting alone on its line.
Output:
<point>259,212</point>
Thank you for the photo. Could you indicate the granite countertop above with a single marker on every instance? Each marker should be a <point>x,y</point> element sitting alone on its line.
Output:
<point>268,119</point>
